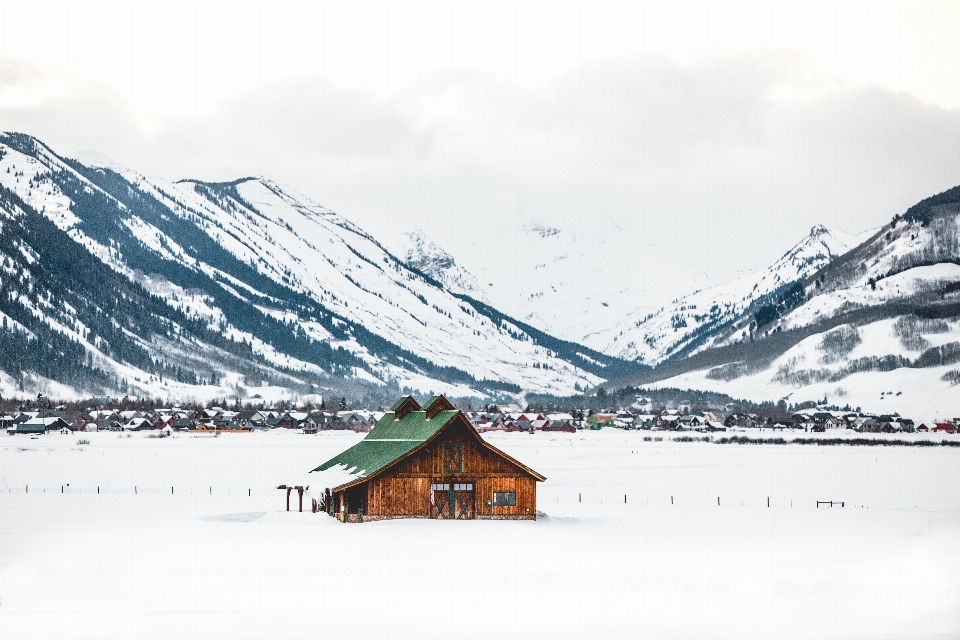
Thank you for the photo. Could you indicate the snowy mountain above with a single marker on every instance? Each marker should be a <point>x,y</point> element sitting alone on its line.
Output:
<point>694,321</point>
<point>419,251</point>
<point>191,288</point>
<point>878,327</point>
<point>568,281</point>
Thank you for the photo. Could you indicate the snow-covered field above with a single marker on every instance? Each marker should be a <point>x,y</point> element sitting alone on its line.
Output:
<point>211,561</point>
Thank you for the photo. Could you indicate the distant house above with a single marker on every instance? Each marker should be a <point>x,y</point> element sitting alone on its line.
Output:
<point>945,427</point>
<point>235,426</point>
<point>427,462</point>
<point>39,425</point>
<point>253,416</point>
<point>923,428</point>
<point>565,426</point>
<point>138,424</point>
<point>834,423</point>
<point>668,422</point>
<point>28,427</point>
<point>182,424</point>
<point>644,421</point>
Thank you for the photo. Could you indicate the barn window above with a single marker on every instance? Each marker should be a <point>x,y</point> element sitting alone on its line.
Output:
<point>440,487</point>
<point>452,457</point>
<point>465,486</point>
<point>504,498</point>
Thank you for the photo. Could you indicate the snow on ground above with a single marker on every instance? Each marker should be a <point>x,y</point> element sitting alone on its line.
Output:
<point>211,561</point>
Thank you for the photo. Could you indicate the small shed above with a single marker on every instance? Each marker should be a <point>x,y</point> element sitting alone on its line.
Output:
<point>427,462</point>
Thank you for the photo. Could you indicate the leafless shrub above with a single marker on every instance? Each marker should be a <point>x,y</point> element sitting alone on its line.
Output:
<point>805,377</point>
<point>83,441</point>
<point>910,329</point>
<point>953,377</point>
<point>836,344</point>
<point>939,356</point>
<point>734,370</point>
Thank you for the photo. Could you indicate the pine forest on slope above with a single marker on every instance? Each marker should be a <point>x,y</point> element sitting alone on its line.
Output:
<point>113,282</point>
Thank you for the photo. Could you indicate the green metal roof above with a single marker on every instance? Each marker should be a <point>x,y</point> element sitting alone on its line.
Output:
<point>31,427</point>
<point>389,440</point>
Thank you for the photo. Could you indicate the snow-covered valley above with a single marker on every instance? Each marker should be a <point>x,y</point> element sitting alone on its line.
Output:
<point>211,561</point>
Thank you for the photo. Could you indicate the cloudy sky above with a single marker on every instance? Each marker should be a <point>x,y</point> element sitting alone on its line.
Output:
<point>728,128</point>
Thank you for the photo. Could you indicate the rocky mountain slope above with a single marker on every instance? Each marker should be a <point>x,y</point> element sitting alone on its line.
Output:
<point>877,327</point>
<point>695,321</point>
<point>152,287</point>
<point>569,280</point>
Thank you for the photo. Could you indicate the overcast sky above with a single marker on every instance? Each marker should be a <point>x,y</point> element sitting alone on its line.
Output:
<point>732,127</point>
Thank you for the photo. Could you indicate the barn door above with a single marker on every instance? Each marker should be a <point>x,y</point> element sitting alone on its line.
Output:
<point>453,501</point>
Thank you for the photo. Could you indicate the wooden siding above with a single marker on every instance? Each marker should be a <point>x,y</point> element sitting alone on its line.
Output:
<point>404,489</point>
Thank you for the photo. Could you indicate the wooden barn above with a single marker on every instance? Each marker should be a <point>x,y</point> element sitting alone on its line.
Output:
<point>427,462</point>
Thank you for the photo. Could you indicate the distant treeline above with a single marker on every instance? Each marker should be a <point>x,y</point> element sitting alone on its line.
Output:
<point>826,442</point>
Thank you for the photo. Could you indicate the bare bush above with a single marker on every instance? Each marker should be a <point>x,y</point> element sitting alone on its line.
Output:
<point>938,356</point>
<point>911,329</point>
<point>836,344</point>
<point>805,377</point>
<point>83,441</point>
<point>953,377</point>
<point>734,370</point>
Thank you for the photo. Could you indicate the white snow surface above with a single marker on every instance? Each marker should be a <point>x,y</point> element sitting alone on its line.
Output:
<point>610,558</point>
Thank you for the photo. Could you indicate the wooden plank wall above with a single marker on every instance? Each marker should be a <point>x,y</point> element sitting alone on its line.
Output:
<point>405,489</point>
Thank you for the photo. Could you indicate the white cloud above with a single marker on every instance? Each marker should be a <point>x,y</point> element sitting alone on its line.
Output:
<point>747,150</point>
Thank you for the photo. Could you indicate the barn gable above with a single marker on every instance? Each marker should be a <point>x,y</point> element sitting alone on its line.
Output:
<point>436,404</point>
<point>403,406</point>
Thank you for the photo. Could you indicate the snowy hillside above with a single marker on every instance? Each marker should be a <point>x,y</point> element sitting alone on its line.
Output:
<point>878,327</point>
<point>295,293</point>
<point>568,281</point>
<point>417,250</point>
<point>694,321</point>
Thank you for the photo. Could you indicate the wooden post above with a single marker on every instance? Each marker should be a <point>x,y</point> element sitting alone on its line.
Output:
<point>300,492</point>
<point>288,497</point>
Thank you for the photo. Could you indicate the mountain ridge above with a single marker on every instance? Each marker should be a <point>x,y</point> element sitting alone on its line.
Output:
<point>881,320</point>
<point>309,291</point>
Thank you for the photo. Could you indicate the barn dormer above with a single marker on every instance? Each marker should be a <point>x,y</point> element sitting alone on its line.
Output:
<point>436,404</point>
<point>403,406</point>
